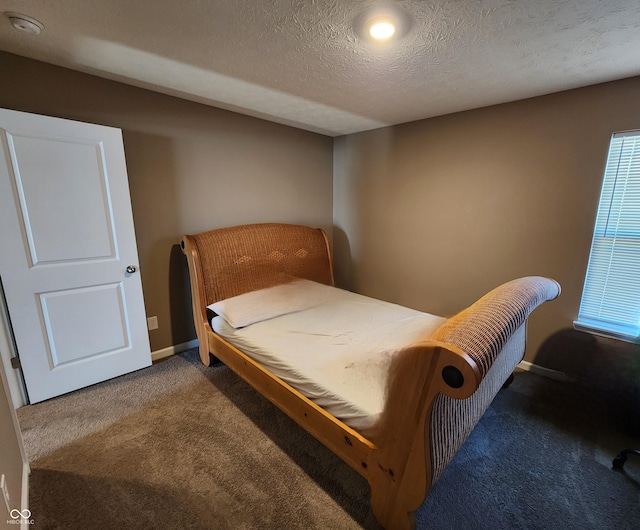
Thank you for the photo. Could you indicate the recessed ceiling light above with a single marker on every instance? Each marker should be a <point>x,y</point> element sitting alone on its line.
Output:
<point>381,25</point>
<point>25,23</point>
<point>382,29</point>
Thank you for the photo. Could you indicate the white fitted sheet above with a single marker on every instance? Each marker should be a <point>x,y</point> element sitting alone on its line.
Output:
<point>337,353</point>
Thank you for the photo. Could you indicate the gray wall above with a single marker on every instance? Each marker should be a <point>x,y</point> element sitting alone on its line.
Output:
<point>191,168</point>
<point>433,214</point>
<point>430,214</point>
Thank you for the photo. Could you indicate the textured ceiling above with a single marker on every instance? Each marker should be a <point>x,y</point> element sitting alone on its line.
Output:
<point>306,63</point>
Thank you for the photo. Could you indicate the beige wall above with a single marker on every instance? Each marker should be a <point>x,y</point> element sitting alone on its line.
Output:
<point>429,214</point>
<point>191,168</point>
<point>434,213</point>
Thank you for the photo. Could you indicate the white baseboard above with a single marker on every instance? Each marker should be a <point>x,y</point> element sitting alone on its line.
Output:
<point>544,372</point>
<point>172,350</point>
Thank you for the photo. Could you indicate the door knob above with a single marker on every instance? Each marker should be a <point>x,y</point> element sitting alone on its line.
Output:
<point>131,269</point>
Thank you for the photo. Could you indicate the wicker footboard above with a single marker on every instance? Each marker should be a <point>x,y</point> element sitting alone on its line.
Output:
<point>439,389</point>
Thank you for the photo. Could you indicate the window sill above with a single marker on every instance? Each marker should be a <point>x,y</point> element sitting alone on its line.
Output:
<point>618,334</point>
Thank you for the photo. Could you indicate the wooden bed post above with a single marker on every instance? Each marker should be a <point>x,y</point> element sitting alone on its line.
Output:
<point>198,303</point>
<point>401,470</point>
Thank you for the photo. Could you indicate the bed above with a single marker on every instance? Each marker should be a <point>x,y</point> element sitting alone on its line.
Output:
<point>393,391</point>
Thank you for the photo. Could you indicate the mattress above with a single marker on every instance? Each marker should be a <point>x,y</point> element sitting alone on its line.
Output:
<point>335,349</point>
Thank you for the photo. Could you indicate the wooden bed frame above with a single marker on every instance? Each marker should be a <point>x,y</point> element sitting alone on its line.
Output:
<point>438,389</point>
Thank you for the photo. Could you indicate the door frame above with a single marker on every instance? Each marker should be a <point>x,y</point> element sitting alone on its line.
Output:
<point>19,499</point>
<point>16,385</point>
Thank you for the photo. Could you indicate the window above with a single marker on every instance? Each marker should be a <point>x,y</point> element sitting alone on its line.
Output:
<point>610,302</point>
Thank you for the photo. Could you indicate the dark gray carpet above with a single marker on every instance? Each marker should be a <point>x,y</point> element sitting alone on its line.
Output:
<point>539,458</point>
<point>179,445</point>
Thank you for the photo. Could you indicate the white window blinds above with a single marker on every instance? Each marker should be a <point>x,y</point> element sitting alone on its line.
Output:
<point>610,302</point>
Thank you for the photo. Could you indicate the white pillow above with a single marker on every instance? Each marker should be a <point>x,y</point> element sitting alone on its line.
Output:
<point>263,304</point>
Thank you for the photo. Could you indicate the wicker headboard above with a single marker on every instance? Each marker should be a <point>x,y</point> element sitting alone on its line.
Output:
<point>240,259</point>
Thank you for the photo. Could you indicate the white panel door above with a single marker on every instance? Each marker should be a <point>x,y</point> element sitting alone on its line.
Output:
<point>69,262</point>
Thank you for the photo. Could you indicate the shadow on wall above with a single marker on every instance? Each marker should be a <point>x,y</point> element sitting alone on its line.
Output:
<point>342,259</point>
<point>182,328</point>
<point>611,368</point>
